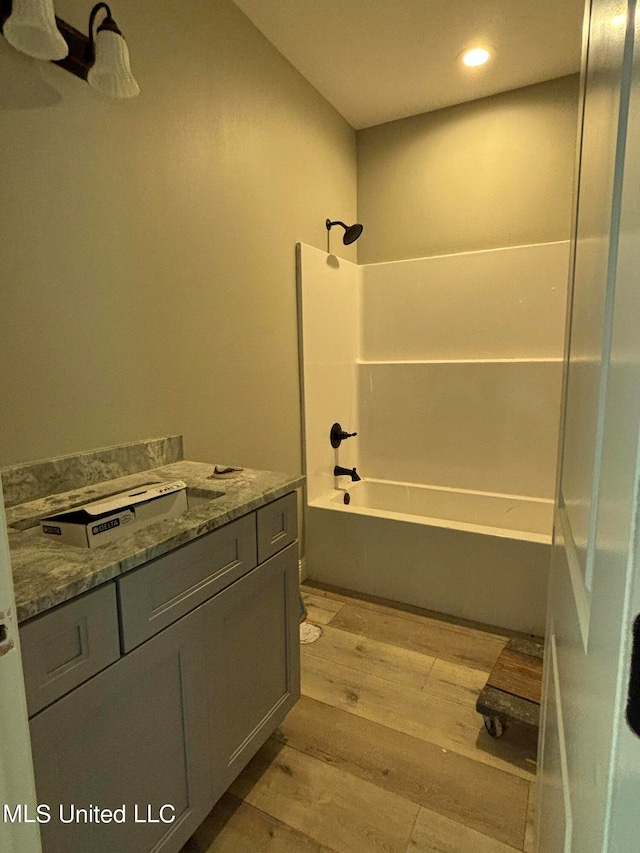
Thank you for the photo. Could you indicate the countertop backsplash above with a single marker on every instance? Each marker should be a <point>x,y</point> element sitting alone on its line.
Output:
<point>29,481</point>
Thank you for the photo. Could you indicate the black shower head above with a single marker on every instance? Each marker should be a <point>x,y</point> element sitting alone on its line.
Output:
<point>351,232</point>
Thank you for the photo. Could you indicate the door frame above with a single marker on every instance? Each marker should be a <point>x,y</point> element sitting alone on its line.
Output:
<point>17,785</point>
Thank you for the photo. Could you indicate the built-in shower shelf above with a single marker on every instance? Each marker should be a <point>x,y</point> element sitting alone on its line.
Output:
<point>534,360</point>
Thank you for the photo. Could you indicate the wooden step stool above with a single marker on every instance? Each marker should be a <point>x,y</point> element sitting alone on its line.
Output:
<point>514,687</point>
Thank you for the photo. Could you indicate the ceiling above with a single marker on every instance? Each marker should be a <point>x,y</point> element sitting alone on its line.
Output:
<point>379,60</point>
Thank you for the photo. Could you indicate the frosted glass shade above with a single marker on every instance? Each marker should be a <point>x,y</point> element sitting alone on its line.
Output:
<point>31,28</point>
<point>111,72</point>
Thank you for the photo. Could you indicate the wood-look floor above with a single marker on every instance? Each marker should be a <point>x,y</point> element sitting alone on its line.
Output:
<point>384,751</point>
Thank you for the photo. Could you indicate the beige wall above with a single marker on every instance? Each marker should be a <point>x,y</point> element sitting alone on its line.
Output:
<point>147,247</point>
<point>493,172</point>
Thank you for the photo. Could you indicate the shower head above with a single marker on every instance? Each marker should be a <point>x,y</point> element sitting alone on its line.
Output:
<point>351,232</point>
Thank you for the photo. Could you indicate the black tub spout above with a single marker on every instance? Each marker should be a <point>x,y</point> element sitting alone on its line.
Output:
<point>338,471</point>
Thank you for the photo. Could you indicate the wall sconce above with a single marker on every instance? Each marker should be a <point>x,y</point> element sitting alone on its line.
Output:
<point>111,71</point>
<point>102,59</point>
<point>31,29</point>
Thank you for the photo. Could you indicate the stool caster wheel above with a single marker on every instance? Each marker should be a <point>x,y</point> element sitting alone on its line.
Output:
<point>494,726</point>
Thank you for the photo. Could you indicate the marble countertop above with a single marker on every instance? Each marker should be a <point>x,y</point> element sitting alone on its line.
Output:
<point>47,573</point>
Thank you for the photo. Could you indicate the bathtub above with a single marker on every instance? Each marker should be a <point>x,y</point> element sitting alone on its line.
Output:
<point>476,555</point>
<point>513,516</point>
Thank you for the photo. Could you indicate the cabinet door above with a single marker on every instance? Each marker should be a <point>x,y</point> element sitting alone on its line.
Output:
<point>254,655</point>
<point>136,736</point>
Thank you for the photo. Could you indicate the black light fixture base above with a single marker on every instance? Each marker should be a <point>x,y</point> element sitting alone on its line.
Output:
<point>80,57</point>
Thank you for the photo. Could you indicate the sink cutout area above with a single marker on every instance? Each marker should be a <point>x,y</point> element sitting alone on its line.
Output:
<point>197,496</point>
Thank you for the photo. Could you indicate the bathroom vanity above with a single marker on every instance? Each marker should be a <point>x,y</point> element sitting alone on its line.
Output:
<point>148,691</point>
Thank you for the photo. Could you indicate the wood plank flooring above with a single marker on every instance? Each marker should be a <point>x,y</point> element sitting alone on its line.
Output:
<point>321,610</point>
<point>384,751</point>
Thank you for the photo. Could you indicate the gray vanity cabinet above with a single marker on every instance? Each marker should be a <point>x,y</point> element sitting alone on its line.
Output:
<point>176,687</point>
<point>253,653</point>
<point>134,735</point>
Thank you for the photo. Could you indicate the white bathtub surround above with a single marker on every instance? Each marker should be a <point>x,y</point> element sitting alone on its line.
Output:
<point>455,396</point>
<point>497,304</point>
<point>487,425</point>
<point>330,308</point>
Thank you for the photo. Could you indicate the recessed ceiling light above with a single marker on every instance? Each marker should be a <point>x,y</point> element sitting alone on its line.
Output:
<point>475,56</point>
<point>619,20</point>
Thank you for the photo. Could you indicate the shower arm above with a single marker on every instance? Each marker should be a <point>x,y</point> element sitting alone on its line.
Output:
<point>351,232</point>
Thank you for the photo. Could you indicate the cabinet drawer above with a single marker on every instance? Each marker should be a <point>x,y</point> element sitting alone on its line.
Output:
<point>64,647</point>
<point>158,593</point>
<point>277,526</point>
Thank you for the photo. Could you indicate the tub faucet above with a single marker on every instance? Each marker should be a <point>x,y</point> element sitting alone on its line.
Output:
<point>347,472</point>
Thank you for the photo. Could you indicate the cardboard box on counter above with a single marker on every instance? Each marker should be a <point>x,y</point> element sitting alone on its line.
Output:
<point>117,516</point>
